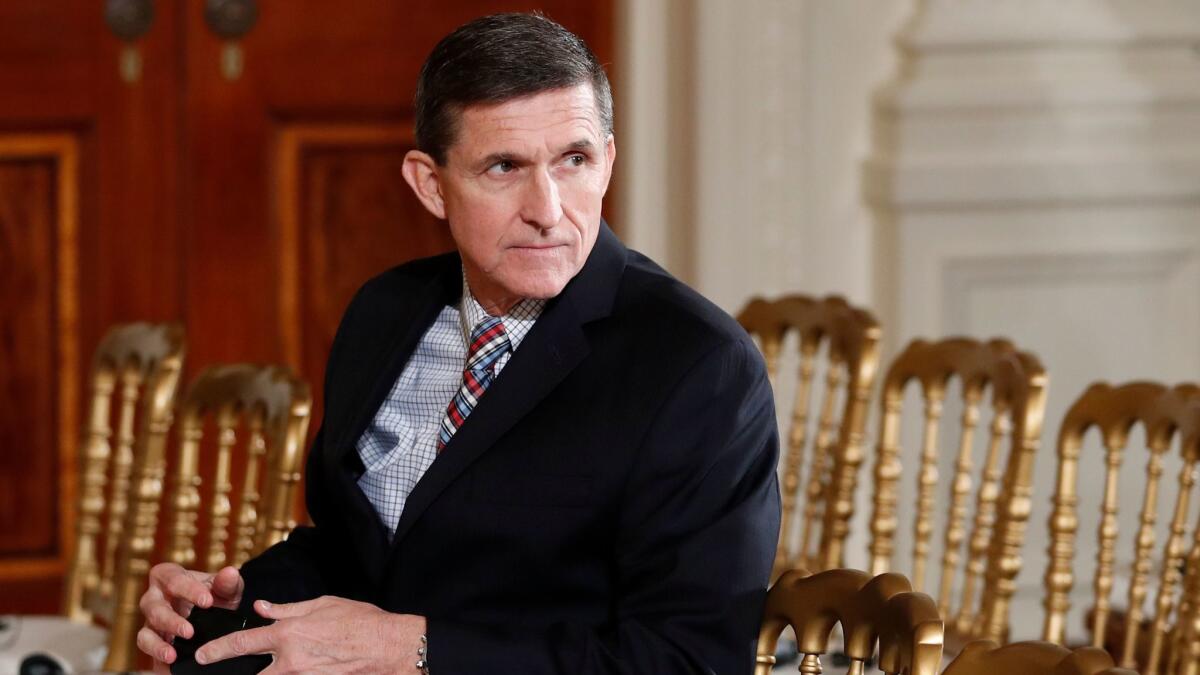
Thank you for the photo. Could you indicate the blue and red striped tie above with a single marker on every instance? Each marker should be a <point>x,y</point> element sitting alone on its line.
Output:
<point>489,341</point>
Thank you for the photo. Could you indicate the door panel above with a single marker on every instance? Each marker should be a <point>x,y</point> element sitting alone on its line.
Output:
<point>344,214</point>
<point>39,350</point>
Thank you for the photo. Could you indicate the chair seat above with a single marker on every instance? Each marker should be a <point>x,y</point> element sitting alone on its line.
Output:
<point>75,647</point>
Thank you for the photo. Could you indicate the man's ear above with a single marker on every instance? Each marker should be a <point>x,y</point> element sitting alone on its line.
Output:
<point>421,174</point>
<point>610,152</point>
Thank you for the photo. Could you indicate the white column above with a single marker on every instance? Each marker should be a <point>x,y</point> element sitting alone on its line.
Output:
<point>652,106</point>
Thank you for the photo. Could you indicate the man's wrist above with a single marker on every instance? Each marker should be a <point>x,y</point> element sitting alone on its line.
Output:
<point>423,655</point>
<point>407,634</point>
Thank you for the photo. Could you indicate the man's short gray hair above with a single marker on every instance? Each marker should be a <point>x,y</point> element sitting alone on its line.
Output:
<point>495,59</point>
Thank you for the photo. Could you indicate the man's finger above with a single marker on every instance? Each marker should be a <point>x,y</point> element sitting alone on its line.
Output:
<point>164,571</point>
<point>159,612</point>
<point>150,598</point>
<point>151,644</point>
<point>174,581</point>
<point>284,610</point>
<point>252,641</point>
<point>227,584</point>
<point>182,607</point>
<point>163,619</point>
<point>187,587</point>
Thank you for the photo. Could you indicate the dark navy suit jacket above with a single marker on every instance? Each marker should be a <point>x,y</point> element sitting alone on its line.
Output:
<point>611,505</point>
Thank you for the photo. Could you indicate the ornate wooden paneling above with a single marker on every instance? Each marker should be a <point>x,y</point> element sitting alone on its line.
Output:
<point>113,151</point>
<point>39,351</point>
<point>344,215</point>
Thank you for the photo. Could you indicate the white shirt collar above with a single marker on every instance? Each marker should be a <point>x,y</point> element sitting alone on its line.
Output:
<point>517,322</point>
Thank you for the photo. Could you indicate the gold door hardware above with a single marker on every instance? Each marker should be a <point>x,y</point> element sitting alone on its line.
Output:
<point>231,19</point>
<point>129,20</point>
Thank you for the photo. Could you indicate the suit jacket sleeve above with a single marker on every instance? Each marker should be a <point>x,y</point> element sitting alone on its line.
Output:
<point>695,542</point>
<point>301,566</point>
<point>292,570</point>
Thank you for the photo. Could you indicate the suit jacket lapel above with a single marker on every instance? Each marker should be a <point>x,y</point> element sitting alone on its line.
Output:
<point>552,349</point>
<point>400,326</point>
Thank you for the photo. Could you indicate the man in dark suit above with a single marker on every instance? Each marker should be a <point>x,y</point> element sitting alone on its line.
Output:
<point>594,492</point>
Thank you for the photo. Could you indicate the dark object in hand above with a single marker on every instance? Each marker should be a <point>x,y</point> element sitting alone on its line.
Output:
<point>210,624</point>
<point>40,664</point>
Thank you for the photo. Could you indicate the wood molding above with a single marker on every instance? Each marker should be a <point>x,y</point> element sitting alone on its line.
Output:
<point>290,143</point>
<point>64,150</point>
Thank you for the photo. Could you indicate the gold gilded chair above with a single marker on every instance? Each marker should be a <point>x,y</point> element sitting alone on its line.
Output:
<point>882,610</point>
<point>133,383</point>
<point>852,338</point>
<point>1135,640</point>
<point>273,405</point>
<point>983,657</point>
<point>141,363</point>
<point>992,550</point>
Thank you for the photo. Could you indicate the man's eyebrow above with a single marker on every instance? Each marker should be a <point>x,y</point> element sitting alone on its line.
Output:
<point>496,157</point>
<point>581,144</point>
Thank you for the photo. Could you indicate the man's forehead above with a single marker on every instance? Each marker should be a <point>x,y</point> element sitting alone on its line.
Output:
<point>560,115</point>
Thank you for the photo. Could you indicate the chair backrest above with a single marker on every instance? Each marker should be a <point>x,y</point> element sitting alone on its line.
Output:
<point>1185,643</point>
<point>274,406</point>
<point>881,610</point>
<point>1164,414</point>
<point>137,364</point>
<point>851,337</point>
<point>983,657</point>
<point>912,636</point>
<point>992,550</point>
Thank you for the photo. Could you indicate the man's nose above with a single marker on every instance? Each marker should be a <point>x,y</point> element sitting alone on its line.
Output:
<point>542,206</point>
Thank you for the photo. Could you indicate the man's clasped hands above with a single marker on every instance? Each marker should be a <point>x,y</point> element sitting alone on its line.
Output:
<point>328,634</point>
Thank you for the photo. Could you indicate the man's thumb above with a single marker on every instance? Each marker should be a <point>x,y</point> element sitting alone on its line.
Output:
<point>227,584</point>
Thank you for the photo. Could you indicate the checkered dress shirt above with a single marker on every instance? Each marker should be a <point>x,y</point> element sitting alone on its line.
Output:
<point>401,441</point>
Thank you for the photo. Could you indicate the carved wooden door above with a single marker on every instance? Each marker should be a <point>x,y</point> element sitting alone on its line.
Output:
<point>231,165</point>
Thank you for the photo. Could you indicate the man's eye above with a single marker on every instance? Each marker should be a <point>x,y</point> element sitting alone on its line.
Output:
<point>503,166</point>
<point>577,160</point>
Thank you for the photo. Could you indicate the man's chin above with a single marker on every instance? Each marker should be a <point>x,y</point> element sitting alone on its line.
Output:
<point>541,289</point>
<point>543,292</point>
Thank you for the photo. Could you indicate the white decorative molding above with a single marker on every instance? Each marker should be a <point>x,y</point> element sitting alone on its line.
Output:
<point>1002,107</point>
<point>963,278</point>
<point>941,253</point>
<point>1051,101</point>
<point>987,24</point>
<point>1046,180</point>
